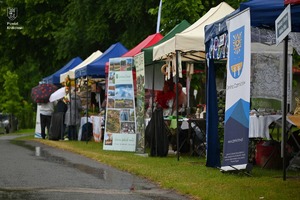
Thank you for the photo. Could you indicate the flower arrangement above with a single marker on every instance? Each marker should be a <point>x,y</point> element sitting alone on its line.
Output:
<point>66,99</point>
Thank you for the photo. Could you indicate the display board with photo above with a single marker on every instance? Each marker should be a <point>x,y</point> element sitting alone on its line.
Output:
<point>120,123</point>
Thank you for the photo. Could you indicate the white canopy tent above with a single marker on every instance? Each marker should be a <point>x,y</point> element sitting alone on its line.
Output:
<point>88,60</point>
<point>191,41</point>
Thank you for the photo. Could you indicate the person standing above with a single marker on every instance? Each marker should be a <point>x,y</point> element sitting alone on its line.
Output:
<point>72,116</point>
<point>58,121</point>
<point>182,101</point>
<point>46,111</point>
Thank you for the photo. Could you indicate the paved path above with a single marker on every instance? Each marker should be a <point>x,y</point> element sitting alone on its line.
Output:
<point>31,170</point>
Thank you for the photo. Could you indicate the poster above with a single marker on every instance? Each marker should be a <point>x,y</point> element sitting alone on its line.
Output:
<point>140,97</point>
<point>120,123</point>
<point>237,106</point>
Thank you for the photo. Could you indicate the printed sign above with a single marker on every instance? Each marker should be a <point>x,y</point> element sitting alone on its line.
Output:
<point>120,123</point>
<point>283,24</point>
<point>237,106</point>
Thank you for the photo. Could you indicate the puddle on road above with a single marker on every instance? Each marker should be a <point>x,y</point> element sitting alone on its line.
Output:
<point>39,152</point>
<point>96,172</point>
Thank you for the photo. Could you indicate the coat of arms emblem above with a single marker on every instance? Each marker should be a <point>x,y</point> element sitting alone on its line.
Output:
<point>12,13</point>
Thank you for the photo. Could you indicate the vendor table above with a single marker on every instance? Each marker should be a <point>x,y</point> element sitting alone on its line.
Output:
<point>98,122</point>
<point>190,138</point>
<point>259,128</point>
<point>259,125</point>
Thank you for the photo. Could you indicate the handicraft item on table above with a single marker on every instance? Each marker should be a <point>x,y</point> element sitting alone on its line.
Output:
<point>297,109</point>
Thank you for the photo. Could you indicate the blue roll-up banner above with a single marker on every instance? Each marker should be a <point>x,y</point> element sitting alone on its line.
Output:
<point>237,107</point>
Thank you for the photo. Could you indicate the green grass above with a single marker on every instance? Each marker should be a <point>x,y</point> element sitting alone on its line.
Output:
<point>189,175</point>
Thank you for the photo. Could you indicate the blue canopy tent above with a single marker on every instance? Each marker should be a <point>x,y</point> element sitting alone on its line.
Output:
<point>97,67</point>
<point>262,14</point>
<point>55,77</point>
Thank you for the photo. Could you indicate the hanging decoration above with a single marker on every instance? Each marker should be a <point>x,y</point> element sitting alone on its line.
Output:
<point>218,47</point>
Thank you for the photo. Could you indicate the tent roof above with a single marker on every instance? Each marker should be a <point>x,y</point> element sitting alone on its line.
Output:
<point>150,40</point>
<point>177,29</point>
<point>97,67</point>
<point>192,38</point>
<point>264,13</point>
<point>55,77</point>
<point>218,27</point>
<point>88,60</point>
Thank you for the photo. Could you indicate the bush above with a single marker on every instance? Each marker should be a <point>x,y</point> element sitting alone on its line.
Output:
<point>27,116</point>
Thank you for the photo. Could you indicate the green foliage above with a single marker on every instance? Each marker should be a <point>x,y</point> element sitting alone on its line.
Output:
<point>87,29</point>
<point>29,52</point>
<point>296,58</point>
<point>173,11</point>
<point>11,99</point>
<point>198,83</point>
<point>27,116</point>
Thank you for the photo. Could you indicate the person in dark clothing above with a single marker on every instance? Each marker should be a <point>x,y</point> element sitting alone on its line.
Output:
<point>72,116</point>
<point>62,107</point>
<point>57,123</point>
<point>46,111</point>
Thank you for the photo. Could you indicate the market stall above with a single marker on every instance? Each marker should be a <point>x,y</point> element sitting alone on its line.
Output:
<point>152,68</point>
<point>263,14</point>
<point>91,83</point>
<point>55,77</point>
<point>71,73</point>
<point>188,46</point>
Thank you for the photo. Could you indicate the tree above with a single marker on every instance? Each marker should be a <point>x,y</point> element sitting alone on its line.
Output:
<point>11,101</point>
<point>173,11</point>
<point>31,47</point>
<point>92,25</point>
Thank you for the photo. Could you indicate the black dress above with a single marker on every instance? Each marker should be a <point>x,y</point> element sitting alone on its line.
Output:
<point>57,127</point>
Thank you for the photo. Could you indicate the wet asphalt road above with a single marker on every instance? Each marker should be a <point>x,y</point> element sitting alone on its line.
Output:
<point>31,170</point>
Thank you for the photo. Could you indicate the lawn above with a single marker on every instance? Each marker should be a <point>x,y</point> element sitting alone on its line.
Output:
<point>189,175</point>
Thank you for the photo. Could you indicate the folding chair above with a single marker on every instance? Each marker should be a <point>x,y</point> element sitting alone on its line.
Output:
<point>198,136</point>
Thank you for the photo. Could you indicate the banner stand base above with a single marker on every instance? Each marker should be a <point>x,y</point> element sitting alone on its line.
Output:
<point>245,169</point>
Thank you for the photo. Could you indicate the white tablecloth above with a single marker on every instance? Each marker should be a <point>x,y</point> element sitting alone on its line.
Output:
<point>97,122</point>
<point>259,125</point>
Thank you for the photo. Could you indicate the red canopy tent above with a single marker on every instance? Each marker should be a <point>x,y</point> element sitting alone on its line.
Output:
<point>149,41</point>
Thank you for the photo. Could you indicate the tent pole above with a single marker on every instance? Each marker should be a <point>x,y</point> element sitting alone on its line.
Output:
<point>152,95</point>
<point>176,82</point>
<point>87,109</point>
<point>284,107</point>
<point>70,113</point>
<point>152,103</point>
